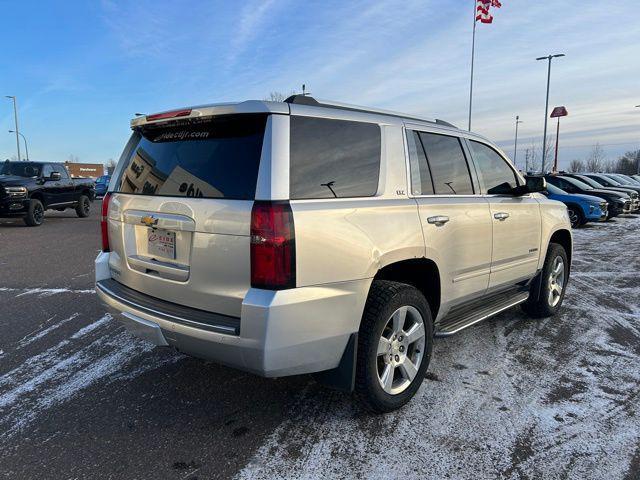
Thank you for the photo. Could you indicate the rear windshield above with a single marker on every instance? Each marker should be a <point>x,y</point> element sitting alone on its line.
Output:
<point>210,158</point>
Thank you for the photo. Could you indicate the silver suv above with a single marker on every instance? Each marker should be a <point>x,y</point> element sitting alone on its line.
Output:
<point>297,237</point>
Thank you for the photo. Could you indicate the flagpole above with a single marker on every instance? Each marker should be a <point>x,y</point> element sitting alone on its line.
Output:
<point>473,48</point>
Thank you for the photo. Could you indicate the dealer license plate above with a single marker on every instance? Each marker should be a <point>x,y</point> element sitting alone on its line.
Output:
<point>161,243</point>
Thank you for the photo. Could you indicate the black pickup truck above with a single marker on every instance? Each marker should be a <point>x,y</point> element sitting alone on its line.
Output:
<point>27,189</point>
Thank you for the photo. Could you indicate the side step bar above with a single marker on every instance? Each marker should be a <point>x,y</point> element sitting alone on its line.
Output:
<point>467,315</point>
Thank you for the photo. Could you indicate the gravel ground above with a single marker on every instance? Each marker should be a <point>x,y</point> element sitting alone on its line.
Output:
<point>508,398</point>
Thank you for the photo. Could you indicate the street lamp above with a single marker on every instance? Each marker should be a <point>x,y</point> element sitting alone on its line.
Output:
<point>515,143</point>
<point>15,116</point>
<point>638,155</point>
<point>546,107</point>
<point>25,142</point>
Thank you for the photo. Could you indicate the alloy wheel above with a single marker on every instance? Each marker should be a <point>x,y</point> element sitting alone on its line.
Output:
<point>400,350</point>
<point>573,218</point>
<point>556,281</point>
<point>38,213</point>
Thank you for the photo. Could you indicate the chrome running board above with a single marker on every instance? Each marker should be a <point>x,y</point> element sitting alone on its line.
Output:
<point>464,316</point>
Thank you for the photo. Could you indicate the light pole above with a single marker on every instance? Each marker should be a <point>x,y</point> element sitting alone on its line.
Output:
<point>15,116</point>
<point>638,155</point>
<point>515,143</point>
<point>546,106</point>
<point>25,142</point>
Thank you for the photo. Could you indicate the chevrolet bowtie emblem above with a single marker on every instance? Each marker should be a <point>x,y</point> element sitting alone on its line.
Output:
<point>149,220</point>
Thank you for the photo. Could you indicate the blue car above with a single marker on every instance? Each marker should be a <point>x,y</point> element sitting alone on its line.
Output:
<point>102,183</point>
<point>582,208</point>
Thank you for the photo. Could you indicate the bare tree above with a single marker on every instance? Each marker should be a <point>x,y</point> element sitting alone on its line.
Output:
<point>73,158</point>
<point>629,163</point>
<point>549,153</point>
<point>111,166</point>
<point>610,166</point>
<point>596,158</point>
<point>531,158</point>
<point>276,96</point>
<point>576,166</point>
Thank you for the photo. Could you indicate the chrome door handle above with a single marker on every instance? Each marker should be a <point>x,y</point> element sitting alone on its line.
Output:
<point>438,220</point>
<point>501,216</point>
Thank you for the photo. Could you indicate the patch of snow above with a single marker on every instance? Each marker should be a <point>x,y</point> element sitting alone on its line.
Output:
<point>45,292</point>
<point>30,338</point>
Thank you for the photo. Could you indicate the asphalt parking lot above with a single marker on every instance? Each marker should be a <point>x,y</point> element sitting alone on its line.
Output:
<point>509,398</point>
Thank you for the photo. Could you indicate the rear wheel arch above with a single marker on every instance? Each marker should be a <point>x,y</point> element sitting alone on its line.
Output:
<point>422,273</point>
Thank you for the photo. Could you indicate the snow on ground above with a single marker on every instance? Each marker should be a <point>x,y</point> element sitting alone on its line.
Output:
<point>510,398</point>
<point>99,351</point>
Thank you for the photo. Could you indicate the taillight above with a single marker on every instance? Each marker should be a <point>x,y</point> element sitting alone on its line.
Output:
<point>273,246</point>
<point>104,228</point>
<point>172,114</point>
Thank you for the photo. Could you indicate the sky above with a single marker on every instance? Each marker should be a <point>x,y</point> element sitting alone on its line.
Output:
<point>81,70</point>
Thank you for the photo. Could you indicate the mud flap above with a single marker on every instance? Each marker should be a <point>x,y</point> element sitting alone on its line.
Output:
<point>343,377</point>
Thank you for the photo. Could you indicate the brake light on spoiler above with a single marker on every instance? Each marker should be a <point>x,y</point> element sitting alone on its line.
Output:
<point>172,114</point>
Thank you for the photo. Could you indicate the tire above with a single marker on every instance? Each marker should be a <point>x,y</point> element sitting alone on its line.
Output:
<point>35,214</point>
<point>387,303</point>
<point>541,303</point>
<point>83,209</point>
<point>576,216</point>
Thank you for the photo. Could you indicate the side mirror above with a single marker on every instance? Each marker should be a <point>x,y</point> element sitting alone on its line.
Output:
<point>535,184</point>
<point>55,176</point>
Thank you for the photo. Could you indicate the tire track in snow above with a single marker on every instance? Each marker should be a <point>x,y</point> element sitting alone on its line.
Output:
<point>97,352</point>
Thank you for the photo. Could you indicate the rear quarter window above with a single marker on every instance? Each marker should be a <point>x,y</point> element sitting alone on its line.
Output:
<point>333,158</point>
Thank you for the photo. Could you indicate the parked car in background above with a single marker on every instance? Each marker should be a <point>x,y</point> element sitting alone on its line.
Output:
<point>618,202</point>
<point>636,178</point>
<point>625,179</point>
<point>581,208</point>
<point>102,183</point>
<point>607,181</point>
<point>305,237</point>
<point>631,193</point>
<point>27,189</point>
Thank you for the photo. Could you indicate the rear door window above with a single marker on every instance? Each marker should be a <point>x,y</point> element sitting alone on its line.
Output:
<point>333,158</point>
<point>496,175</point>
<point>209,158</point>
<point>447,163</point>
<point>421,183</point>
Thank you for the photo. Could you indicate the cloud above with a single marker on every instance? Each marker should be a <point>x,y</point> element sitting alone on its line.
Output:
<point>253,17</point>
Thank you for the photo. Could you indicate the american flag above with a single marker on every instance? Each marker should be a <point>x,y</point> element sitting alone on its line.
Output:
<point>482,10</point>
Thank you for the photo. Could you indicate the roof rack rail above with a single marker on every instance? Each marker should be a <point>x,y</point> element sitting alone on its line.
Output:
<point>445,123</point>
<point>309,100</point>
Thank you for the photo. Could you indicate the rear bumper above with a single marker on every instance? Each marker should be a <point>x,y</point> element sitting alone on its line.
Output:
<point>279,333</point>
